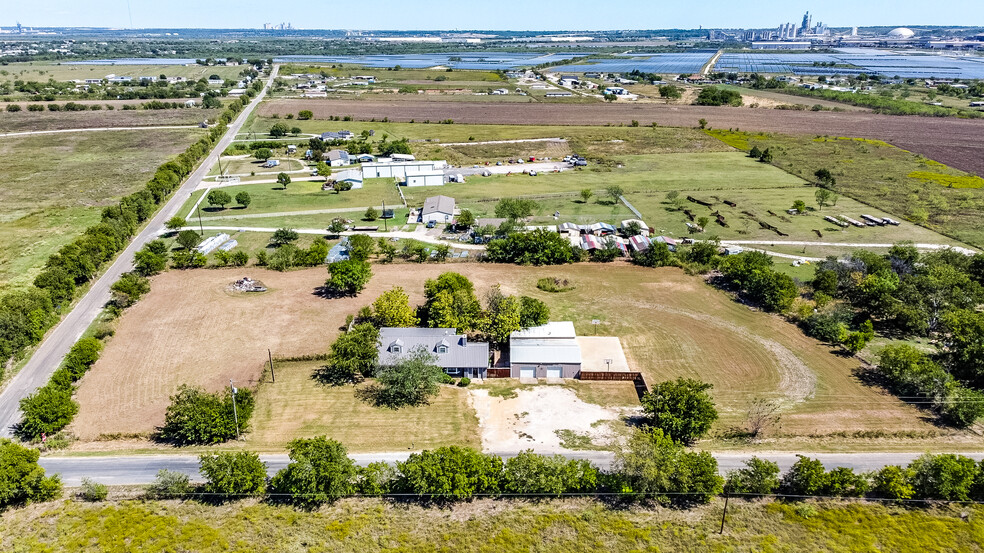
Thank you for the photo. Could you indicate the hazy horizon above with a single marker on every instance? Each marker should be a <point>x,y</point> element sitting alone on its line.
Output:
<point>506,15</point>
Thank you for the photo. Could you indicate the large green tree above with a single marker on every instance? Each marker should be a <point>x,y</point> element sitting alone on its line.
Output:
<point>681,408</point>
<point>199,417</point>
<point>412,380</point>
<point>450,473</point>
<point>352,356</point>
<point>392,309</point>
<point>233,473</point>
<point>502,317</point>
<point>320,471</point>
<point>22,480</point>
<point>651,466</point>
<point>347,277</point>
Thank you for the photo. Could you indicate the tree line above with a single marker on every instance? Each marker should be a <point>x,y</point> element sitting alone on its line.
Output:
<point>28,314</point>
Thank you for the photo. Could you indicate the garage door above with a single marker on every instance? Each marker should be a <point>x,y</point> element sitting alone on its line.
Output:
<point>527,373</point>
<point>554,372</point>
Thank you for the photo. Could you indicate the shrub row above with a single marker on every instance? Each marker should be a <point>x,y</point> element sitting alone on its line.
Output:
<point>51,408</point>
<point>884,105</point>
<point>320,471</point>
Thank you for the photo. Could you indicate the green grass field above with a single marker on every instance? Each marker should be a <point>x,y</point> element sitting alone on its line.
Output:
<point>300,196</point>
<point>902,184</point>
<point>574,525</point>
<point>55,186</point>
<point>649,162</point>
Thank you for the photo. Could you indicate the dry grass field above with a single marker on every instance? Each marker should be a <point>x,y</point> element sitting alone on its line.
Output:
<point>575,525</point>
<point>30,121</point>
<point>189,329</point>
<point>955,142</point>
<point>54,186</point>
<point>295,405</point>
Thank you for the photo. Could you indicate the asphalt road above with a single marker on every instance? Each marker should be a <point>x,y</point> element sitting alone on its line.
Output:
<point>52,350</point>
<point>142,469</point>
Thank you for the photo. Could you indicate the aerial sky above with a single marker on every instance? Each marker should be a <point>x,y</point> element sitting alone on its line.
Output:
<point>517,15</point>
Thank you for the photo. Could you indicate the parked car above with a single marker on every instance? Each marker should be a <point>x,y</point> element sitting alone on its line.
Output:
<point>431,224</point>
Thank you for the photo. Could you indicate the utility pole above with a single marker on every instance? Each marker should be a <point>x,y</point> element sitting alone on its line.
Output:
<point>274,376</point>
<point>235,412</point>
<point>384,216</point>
<point>198,208</point>
<point>725,512</point>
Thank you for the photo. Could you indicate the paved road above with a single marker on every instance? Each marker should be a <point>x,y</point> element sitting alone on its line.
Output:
<point>49,354</point>
<point>141,469</point>
<point>59,131</point>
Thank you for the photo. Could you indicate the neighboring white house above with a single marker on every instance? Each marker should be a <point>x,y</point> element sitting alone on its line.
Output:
<point>353,176</point>
<point>439,209</point>
<point>337,158</point>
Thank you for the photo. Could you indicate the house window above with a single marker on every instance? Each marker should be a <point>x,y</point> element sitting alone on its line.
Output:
<point>442,349</point>
<point>396,349</point>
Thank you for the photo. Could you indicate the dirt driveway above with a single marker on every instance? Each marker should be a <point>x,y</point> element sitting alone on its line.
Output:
<point>533,417</point>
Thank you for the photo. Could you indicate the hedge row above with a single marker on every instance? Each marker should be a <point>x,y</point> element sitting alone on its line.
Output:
<point>321,471</point>
<point>26,315</point>
<point>51,408</point>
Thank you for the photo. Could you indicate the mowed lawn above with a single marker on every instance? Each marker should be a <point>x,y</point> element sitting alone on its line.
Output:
<point>300,195</point>
<point>55,186</point>
<point>296,405</point>
<point>191,330</point>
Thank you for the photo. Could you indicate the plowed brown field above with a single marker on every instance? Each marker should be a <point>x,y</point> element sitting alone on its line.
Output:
<point>955,142</point>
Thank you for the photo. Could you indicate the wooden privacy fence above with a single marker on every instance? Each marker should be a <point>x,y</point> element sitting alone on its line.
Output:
<point>636,378</point>
<point>604,375</point>
<point>497,373</point>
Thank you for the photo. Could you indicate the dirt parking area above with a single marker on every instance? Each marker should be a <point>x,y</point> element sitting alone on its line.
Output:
<point>533,418</point>
<point>955,142</point>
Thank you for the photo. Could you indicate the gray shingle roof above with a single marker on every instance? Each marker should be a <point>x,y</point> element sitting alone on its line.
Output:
<point>460,352</point>
<point>439,204</point>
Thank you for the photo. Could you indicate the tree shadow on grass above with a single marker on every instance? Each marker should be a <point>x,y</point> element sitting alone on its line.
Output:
<point>870,377</point>
<point>377,396</point>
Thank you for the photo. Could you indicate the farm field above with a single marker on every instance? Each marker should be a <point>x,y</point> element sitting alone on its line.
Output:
<point>42,71</point>
<point>56,185</point>
<point>363,525</point>
<point>27,121</point>
<point>955,142</point>
<point>662,317</point>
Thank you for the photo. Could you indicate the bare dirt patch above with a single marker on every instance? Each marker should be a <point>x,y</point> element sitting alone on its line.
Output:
<point>533,417</point>
<point>953,141</point>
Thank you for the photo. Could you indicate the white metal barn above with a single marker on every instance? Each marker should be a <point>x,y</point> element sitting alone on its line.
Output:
<point>547,351</point>
<point>392,169</point>
<point>433,177</point>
